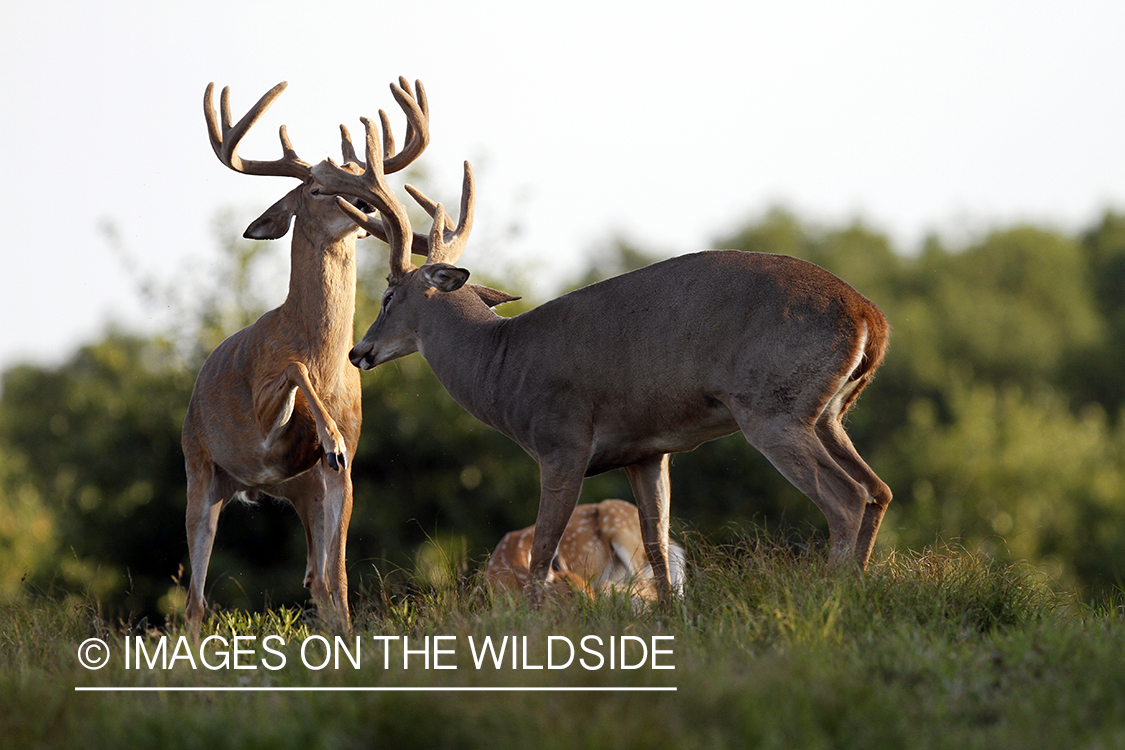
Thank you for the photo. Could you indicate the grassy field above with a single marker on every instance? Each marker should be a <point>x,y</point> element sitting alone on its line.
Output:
<point>926,650</point>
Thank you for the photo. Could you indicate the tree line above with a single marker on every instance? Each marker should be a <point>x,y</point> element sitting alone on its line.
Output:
<point>996,420</point>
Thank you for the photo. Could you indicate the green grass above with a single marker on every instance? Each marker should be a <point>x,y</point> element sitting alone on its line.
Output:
<point>936,649</point>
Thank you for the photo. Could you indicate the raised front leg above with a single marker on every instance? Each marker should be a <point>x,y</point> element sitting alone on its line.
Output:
<point>652,489</point>
<point>273,407</point>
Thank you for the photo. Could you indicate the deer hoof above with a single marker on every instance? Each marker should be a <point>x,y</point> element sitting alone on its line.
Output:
<point>337,461</point>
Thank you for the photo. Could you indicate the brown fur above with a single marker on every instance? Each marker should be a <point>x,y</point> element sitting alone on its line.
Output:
<point>600,550</point>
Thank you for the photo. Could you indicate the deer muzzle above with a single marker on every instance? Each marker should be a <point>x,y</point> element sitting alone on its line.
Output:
<point>362,356</point>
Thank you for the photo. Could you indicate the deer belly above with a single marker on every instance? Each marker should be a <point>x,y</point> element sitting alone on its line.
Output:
<point>615,447</point>
<point>293,452</point>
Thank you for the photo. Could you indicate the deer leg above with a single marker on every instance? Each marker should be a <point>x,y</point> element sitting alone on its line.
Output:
<point>310,564</point>
<point>338,511</point>
<point>839,445</point>
<point>797,452</point>
<point>558,494</point>
<point>274,404</point>
<point>652,489</point>
<point>323,501</point>
<point>204,504</point>
<point>309,495</point>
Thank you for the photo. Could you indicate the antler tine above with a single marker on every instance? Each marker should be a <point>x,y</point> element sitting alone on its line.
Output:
<point>346,146</point>
<point>420,97</point>
<point>447,245</point>
<point>225,140</point>
<point>417,126</point>
<point>388,141</point>
<point>468,202</point>
<point>437,236</point>
<point>349,150</point>
<point>388,136</point>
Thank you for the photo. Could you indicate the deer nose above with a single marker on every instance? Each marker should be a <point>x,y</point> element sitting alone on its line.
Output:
<point>360,358</point>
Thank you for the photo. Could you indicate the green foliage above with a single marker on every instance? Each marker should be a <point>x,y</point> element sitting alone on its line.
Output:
<point>99,437</point>
<point>1014,307</point>
<point>28,542</point>
<point>1094,374</point>
<point>1016,474</point>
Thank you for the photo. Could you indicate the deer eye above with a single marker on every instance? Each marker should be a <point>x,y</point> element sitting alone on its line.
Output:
<point>387,299</point>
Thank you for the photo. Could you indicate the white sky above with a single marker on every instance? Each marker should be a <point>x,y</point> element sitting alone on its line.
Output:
<point>584,120</point>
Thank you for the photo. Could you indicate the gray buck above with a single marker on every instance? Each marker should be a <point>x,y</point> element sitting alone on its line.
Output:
<point>276,407</point>
<point>624,372</point>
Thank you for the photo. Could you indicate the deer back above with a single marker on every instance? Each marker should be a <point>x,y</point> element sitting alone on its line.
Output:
<point>643,363</point>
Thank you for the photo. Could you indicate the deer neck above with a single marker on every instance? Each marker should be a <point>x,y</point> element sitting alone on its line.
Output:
<point>465,347</point>
<point>322,288</point>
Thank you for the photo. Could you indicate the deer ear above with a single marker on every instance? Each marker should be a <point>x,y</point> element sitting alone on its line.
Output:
<point>274,223</point>
<point>492,297</point>
<point>444,277</point>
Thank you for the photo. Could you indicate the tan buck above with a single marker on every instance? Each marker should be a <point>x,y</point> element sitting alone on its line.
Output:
<point>600,550</point>
<point>622,373</point>
<point>276,407</point>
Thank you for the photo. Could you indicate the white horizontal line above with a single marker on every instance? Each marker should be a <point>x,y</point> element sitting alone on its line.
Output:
<point>194,689</point>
